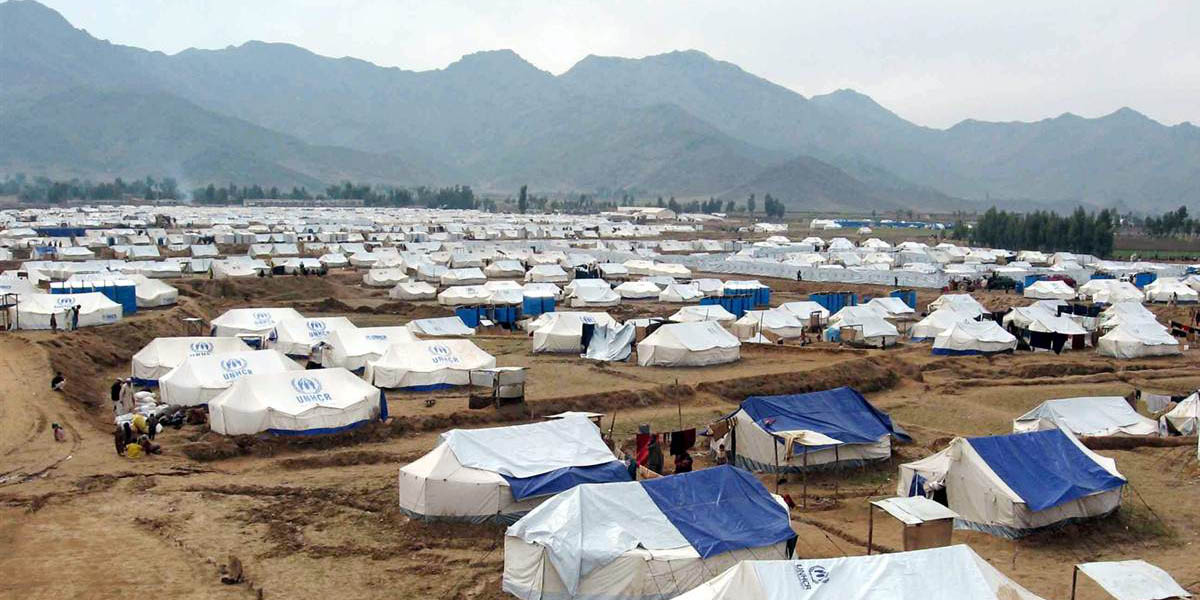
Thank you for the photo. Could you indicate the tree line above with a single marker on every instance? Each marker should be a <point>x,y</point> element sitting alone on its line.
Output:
<point>1080,232</point>
<point>43,190</point>
<point>1171,223</point>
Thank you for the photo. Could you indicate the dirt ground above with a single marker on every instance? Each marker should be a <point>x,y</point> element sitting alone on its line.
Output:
<point>319,520</point>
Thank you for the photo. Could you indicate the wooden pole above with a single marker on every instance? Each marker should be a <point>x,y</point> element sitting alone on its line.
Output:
<point>838,475</point>
<point>870,526</point>
<point>775,444</point>
<point>806,478</point>
<point>1074,580</point>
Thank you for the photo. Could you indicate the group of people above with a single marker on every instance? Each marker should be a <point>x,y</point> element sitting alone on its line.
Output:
<point>72,319</point>
<point>135,438</point>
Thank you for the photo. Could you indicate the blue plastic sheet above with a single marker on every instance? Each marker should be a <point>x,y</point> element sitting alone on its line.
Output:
<point>720,509</point>
<point>561,480</point>
<point>841,413</point>
<point>1044,468</point>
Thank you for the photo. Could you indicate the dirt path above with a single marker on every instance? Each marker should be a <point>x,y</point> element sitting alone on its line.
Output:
<point>27,446</point>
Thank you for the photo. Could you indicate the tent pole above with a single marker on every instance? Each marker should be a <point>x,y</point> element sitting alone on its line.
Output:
<point>775,445</point>
<point>806,478</point>
<point>837,465</point>
<point>870,526</point>
<point>1074,580</point>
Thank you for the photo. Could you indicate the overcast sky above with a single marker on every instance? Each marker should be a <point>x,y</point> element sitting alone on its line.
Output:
<point>934,62</point>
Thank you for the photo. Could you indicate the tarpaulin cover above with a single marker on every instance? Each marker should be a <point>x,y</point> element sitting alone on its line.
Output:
<point>531,449</point>
<point>1044,468</point>
<point>1133,580</point>
<point>841,413</point>
<point>565,478</point>
<point>720,509</point>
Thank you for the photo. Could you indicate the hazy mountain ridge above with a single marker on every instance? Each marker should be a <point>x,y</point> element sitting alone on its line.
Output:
<point>678,123</point>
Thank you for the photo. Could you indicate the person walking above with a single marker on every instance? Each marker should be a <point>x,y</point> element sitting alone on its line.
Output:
<point>53,323</point>
<point>75,318</point>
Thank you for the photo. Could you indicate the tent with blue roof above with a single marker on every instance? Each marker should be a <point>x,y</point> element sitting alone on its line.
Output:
<point>500,473</point>
<point>644,539</point>
<point>1011,485</point>
<point>798,431</point>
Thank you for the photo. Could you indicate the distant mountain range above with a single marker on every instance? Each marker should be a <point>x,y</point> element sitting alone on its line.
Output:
<point>679,124</point>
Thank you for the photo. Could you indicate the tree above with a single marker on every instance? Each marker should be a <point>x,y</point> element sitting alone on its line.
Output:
<point>750,204</point>
<point>674,206</point>
<point>522,200</point>
<point>730,205</point>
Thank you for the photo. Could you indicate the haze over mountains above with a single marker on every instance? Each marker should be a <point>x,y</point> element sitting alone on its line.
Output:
<point>679,124</point>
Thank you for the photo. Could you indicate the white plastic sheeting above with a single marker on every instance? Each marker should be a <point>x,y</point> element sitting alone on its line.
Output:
<point>611,344</point>
<point>970,337</point>
<point>530,449</point>
<point>1089,416</point>
<point>703,312</point>
<point>563,331</point>
<point>1133,580</point>
<point>440,327</point>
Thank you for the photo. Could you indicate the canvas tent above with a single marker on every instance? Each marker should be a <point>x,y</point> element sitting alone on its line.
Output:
<point>312,402</point>
<point>1183,419</point>
<point>863,326</point>
<point>805,309</point>
<point>501,473</point>
<point>296,337</point>
<point>251,321</point>
<point>563,331</point>
<point>199,379</point>
<point>384,276</point>
<point>412,290</point>
<point>1046,289</point>
<point>427,365</point>
<point>795,432</point>
<point>33,311</point>
<point>1012,485</point>
<point>1138,341</point>
<point>938,321</point>
<point>440,327</point>
<point>1087,416</point>
<point>778,323</point>
<point>163,354</point>
<point>703,312</point>
<point>643,540</point>
<point>947,573</point>
<point>1170,289</point>
<point>353,348</point>
<point>688,345</point>
<point>961,302</point>
<point>967,337</point>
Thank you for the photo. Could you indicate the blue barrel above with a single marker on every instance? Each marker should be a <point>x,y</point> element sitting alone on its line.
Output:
<point>548,304</point>
<point>1102,276</point>
<point>469,315</point>
<point>1029,279</point>
<point>709,301</point>
<point>762,297</point>
<point>126,293</point>
<point>530,306</point>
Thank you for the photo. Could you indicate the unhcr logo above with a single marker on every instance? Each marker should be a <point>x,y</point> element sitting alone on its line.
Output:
<point>64,301</point>
<point>234,368</point>
<point>442,355</point>
<point>316,326</point>
<point>377,337</point>
<point>262,317</point>
<point>309,390</point>
<point>812,576</point>
<point>201,348</point>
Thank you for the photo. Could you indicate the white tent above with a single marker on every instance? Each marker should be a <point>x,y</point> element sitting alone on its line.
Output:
<point>960,302</point>
<point>384,276</point>
<point>1011,485</point>
<point>938,321</point>
<point>466,476</point>
<point>805,309</point>
<point>1184,417</point>
<point>152,293</point>
<point>440,327</point>
<point>688,345</point>
<point>306,402</point>
<point>231,268</point>
<point>199,379</point>
<point>467,276</point>
<point>638,290</point>
<point>353,348</point>
<point>594,296</point>
<point>1087,416</point>
<point>563,331</point>
<point>779,323</point>
<point>863,325</point>
<point>703,312</point>
<point>1038,318</point>
<point>251,321</point>
<point>334,260</point>
<point>1111,291</point>
<point>680,292</point>
<point>468,295</point>
<point>296,337</point>
<point>163,354</point>
<point>547,274</point>
<point>891,308</point>
<point>412,290</point>
<point>33,311</point>
<point>1170,289</point>
<point>1127,313</point>
<point>1046,289</point>
<point>643,540</point>
<point>427,364</point>
<point>1138,340</point>
<point>504,268</point>
<point>974,337</point>
<point>947,573</point>
<point>16,285</point>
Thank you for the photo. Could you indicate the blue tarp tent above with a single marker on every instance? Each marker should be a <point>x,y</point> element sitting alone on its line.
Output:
<point>1044,468</point>
<point>841,413</point>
